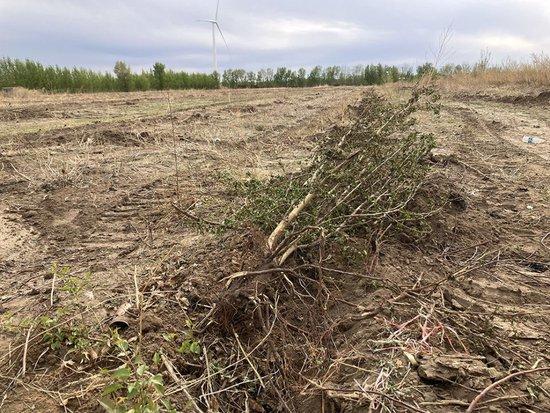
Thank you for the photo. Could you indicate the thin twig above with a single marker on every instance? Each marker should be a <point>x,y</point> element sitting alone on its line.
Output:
<point>286,221</point>
<point>25,349</point>
<point>229,279</point>
<point>335,392</point>
<point>208,377</point>
<point>183,386</point>
<point>53,288</point>
<point>139,307</point>
<point>481,395</point>
<point>20,174</point>
<point>247,358</point>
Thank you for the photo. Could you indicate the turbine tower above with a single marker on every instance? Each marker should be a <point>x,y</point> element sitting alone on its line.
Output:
<point>215,25</point>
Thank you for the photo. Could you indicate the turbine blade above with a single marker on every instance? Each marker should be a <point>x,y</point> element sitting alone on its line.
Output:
<point>223,37</point>
<point>217,10</point>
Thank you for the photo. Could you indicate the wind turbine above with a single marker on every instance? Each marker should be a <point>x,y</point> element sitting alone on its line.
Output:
<point>215,25</point>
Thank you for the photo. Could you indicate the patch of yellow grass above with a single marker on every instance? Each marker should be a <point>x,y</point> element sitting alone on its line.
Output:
<point>15,93</point>
<point>533,74</point>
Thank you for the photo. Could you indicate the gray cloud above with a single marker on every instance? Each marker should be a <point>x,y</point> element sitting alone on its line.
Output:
<point>269,33</point>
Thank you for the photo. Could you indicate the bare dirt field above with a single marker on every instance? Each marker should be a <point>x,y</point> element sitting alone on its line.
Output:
<point>109,185</point>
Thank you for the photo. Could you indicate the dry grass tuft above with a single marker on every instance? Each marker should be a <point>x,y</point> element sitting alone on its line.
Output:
<point>533,74</point>
<point>18,93</point>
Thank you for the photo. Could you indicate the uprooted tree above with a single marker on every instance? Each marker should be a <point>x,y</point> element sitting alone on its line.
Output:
<point>361,183</point>
<point>361,180</point>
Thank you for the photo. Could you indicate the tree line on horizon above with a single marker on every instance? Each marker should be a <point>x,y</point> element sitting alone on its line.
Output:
<point>318,76</point>
<point>33,75</point>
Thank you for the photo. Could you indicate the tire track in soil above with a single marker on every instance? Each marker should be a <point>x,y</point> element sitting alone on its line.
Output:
<point>109,232</point>
<point>510,207</point>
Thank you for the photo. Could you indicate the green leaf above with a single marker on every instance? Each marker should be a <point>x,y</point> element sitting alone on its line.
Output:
<point>122,344</point>
<point>184,347</point>
<point>151,407</point>
<point>111,388</point>
<point>157,380</point>
<point>195,347</point>
<point>122,372</point>
<point>156,358</point>
<point>133,389</point>
<point>169,336</point>
<point>142,368</point>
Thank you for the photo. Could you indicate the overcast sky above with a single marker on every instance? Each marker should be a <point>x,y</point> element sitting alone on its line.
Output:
<point>269,33</point>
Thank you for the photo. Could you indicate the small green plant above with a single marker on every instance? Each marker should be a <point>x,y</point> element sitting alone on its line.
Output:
<point>70,283</point>
<point>64,330</point>
<point>10,324</point>
<point>134,388</point>
<point>122,345</point>
<point>71,335</point>
<point>190,346</point>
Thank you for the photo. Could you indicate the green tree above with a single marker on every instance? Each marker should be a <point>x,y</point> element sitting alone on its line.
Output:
<point>331,75</point>
<point>426,69</point>
<point>282,77</point>
<point>123,75</point>
<point>141,81</point>
<point>314,78</point>
<point>251,79</point>
<point>159,70</point>
<point>301,77</point>
<point>393,73</point>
